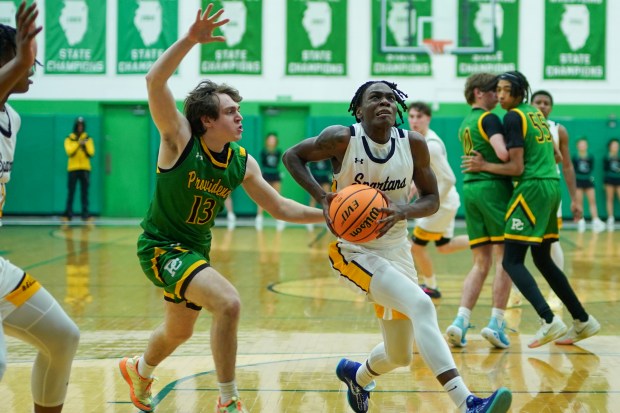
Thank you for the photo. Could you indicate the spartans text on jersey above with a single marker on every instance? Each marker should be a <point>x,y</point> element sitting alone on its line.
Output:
<point>387,185</point>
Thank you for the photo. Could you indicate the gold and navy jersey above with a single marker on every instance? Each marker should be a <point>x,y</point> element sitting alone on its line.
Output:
<point>189,196</point>
<point>387,166</point>
<point>10,122</point>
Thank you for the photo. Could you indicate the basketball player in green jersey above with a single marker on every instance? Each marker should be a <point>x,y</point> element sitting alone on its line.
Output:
<point>485,198</point>
<point>531,217</point>
<point>198,166</point>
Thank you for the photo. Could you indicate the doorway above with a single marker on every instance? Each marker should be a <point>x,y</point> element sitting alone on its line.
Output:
<point>126,161</point>
<point>290,124</point>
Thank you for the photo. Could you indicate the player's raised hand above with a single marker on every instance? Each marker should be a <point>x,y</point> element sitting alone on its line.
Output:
<point>201,31</point>
<point>26,32</point>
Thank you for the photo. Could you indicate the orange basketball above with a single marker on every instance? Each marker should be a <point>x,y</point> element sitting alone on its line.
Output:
<point>355,211</point>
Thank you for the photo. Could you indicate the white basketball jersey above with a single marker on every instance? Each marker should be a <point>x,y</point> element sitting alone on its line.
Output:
<point>554,128</point>
<point>448,196</point>
<point>10,123</point>
<point>388,167</point>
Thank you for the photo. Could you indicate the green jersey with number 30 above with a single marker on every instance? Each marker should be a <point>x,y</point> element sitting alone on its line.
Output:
<point>189,196</point>
<point>538,152</point>
<point>473,137</point>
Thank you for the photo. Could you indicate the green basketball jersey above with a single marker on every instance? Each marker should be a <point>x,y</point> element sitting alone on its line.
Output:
<point>189,196</point>
<point>538,153</point>
<point>473,137</point>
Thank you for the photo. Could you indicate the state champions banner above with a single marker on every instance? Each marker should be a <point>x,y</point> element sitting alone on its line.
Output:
<point>146,28</point>
<point>8,8</point>
<point>75,37</point>
<point>397,26</point>
<point>476,26</point>
<point>316,33</point>
<point>242,52</point>
<point>575,41</point>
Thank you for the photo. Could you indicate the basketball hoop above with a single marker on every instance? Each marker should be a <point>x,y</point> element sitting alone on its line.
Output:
<point>435,46</point>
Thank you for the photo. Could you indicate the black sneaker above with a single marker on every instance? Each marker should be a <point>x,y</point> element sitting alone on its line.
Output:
<point>431,292</point>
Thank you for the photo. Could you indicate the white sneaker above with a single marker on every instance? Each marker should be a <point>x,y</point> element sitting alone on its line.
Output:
<point>231,221</point>
<point>611,223</point>
<point>548,332</point>
<point>258,223</point>
<point>579,331</point>
<point>598,225</point>
<point>310,227</point>
<point>581,225</point>
<point>280,225</point>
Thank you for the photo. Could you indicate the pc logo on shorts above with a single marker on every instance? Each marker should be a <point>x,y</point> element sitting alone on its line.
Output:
<point>517,224</point>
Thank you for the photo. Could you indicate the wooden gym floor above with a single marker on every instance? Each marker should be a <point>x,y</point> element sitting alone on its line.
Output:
<point>297,322</point>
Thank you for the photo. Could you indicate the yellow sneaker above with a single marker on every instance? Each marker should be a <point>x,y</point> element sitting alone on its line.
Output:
<point>233,406</point>
<point>139,387</point>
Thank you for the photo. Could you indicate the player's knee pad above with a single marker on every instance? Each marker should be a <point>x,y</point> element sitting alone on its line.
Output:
<point>401,359</point>
<point>65,342</point>
<point>424,305</point>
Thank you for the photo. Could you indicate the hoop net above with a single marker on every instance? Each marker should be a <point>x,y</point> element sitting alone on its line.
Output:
<point>435,46</point>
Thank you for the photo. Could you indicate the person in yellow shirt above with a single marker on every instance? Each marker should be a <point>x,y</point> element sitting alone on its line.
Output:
<point>80,148</point>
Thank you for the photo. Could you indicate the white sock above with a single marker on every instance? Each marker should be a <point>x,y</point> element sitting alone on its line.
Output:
<point>228,391</point>
<point>465,313</point>
<point>498,313</point>
<point>363,376</point>
<point>458,392</point>
<point>144,369</point>
<point>431,281</point>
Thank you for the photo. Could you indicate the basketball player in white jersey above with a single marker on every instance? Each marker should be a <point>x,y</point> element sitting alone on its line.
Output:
<point>439,227</point>
<point>376,153</point>
<point>27,311</point>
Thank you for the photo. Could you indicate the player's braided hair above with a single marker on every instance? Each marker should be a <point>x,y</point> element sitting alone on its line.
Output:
<point>520,86</point>
<point>359,94</point>
<point>7,42</point>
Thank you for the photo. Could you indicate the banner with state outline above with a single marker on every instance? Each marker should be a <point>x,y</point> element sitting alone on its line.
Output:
<point>475,29</point>
<point>316,33</point>
<point>242,51</point>
<point>575,40</point>
<point>145,30</point>
<point>400,27</point>
<point>75,37</point>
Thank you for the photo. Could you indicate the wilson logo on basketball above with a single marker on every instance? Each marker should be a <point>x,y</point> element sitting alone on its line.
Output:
<point>355,212</point>
<point>369,222</point>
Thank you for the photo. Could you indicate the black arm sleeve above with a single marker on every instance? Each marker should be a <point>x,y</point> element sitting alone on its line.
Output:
<point>513,125</point>
<point>491,125</point>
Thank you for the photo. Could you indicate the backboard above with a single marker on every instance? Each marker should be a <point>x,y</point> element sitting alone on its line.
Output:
<point>440,26</point>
